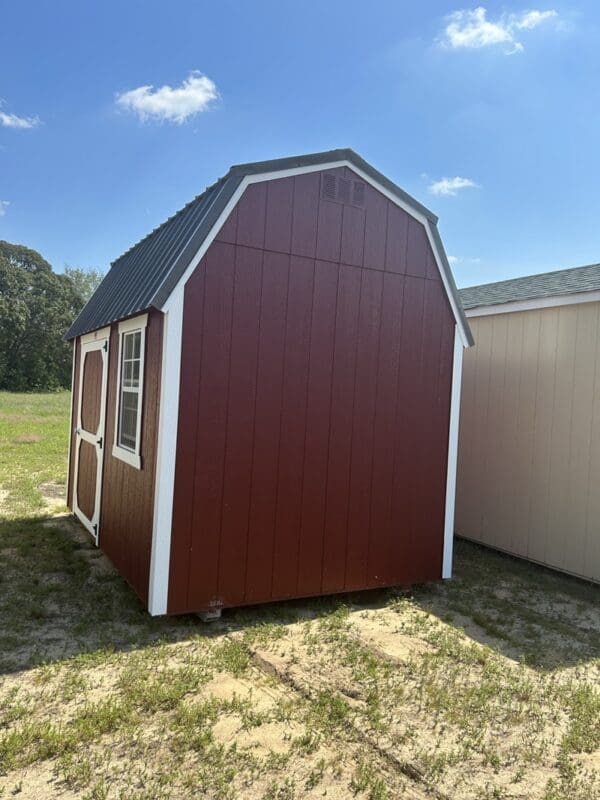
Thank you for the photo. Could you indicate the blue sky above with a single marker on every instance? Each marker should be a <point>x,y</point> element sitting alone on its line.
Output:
<point>504,97</point>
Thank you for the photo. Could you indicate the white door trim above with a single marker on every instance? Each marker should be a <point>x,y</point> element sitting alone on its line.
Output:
<point>97,439</point>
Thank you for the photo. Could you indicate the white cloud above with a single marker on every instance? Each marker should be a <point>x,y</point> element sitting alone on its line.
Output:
<point>13,121</point>
<point>531,19</point>
<point>450,186</point>
<point>4,204</point>
<point>171,103</point>
<point>454,260</point>
<point>470,28</point>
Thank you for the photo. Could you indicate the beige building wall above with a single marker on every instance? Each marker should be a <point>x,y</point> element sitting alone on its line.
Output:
<point>529,446</point>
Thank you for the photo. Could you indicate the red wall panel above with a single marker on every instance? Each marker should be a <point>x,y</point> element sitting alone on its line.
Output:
<point>267,426</point>
<point>340,429</point>
<point>316,432</point>
<point>315,397</point>
<point>292,436</point>
<point>359,492</point>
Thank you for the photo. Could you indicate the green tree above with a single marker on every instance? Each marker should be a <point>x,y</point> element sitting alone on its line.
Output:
<point>37,306</point>
<point>85,281</point>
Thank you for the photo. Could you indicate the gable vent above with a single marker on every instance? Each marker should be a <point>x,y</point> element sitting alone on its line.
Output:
<point>342,190</point>
<point>358,193</point>
<point>343,193</point>
<point>329,187</point>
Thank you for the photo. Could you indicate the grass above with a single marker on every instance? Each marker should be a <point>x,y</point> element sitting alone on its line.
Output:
<point>33,432</point>
<point>484,687</point>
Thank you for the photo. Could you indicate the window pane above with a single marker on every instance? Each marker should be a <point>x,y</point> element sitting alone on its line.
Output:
<point>129,412</point>
<point>127,372</point>
<point>131,367</point>
<point>128,345</point>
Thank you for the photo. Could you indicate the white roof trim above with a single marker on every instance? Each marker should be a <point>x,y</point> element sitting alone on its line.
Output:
<point>285,173</point>
<point>534,304</point>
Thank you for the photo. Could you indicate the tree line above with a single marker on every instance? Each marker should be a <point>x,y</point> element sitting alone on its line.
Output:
<point>37,306</point>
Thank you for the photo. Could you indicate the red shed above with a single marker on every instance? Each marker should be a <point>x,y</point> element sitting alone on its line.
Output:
<point>266,392</point>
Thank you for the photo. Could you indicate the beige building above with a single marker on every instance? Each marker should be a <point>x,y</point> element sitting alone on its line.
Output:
<point>529,442</point>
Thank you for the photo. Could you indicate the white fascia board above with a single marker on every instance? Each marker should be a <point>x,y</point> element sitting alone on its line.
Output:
<point>534,304</point>
<point>452,456</point>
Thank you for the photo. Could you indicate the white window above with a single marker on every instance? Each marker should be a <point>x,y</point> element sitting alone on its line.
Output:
<point>128,419</point>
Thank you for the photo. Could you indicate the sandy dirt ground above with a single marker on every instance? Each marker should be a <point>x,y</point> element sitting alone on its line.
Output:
<point>487,686</point>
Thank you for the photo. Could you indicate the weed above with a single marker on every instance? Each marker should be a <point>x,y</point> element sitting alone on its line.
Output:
<point>231,655</point>
<point>316,775</point>
<point>583,735</point>
<point>366,779</point>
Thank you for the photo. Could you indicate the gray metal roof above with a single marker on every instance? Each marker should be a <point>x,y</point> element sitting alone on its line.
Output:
<point>145,275</point>
<point>531,287</point>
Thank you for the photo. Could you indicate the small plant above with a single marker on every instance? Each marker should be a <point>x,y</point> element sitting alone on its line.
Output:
<point>281,791</point>
<point>367,779</point>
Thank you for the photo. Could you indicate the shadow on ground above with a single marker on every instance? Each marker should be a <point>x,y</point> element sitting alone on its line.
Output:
<point>60,597</point>
<point>526,612</point>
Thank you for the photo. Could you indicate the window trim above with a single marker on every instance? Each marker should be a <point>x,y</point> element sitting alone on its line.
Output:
<point>131,457</point>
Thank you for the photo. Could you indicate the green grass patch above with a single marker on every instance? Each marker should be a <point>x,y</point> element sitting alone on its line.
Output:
<point>34,433</point>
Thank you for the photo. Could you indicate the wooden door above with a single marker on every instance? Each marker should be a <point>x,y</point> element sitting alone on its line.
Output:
<point>90,432</point>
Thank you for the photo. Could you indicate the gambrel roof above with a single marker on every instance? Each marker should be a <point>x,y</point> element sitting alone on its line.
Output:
<point>145,275</point>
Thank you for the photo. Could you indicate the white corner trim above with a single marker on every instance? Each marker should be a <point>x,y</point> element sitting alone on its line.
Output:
<point>534,304</point>
<point>452,455</point>
<point>287,173</point>
<point>131,457</point>
<point>164,480</point>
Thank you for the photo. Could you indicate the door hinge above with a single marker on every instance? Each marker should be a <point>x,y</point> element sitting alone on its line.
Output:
<point>105,346</point>
<point>95,527</point>
<point>99,443</point>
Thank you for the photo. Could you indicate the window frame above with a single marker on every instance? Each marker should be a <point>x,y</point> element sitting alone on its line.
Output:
<point>129,455</point>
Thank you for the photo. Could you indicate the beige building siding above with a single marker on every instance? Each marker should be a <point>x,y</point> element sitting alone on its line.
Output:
<point>529,447</point>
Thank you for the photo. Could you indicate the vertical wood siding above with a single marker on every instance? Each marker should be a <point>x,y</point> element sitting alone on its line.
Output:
<point>127,508</point>
<point>127,505</point>
<point>314,409</point>
<point>529,449</point>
